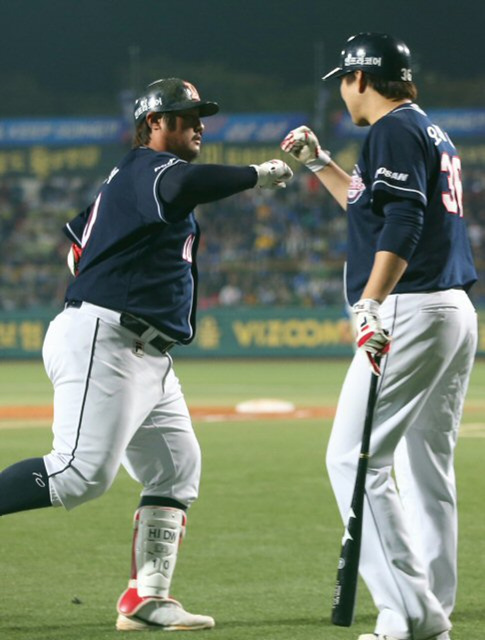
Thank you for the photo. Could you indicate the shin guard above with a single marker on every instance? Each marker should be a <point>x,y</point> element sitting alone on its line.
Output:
<point>159,533</point>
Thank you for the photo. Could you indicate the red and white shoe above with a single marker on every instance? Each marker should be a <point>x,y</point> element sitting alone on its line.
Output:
<point>136,613</point>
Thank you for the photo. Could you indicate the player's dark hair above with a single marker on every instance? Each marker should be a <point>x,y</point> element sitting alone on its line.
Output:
<point>143,132</point>
<point>393,89</point>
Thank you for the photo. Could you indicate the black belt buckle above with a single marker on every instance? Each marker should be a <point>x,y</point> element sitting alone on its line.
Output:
<point>139,327</point>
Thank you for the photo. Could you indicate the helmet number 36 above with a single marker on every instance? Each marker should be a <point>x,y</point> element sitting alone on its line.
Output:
<point>406,75</point>
<point>453,196</point>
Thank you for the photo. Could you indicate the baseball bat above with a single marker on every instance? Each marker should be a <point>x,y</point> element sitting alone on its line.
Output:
<point>345,593</point>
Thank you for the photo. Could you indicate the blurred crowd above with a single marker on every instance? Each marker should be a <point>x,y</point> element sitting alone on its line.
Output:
<point>33,269</point>
<point>283,248</point>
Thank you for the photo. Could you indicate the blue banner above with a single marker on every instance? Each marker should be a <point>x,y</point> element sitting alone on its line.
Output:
<point>458,123</point>
<point>239,128</point>
<point>253,128</point>
<point>28,132</point>
<point>234,129</point>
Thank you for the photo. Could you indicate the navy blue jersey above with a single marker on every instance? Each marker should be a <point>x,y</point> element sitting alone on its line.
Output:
<point>406,157</point>
<point>139,250</point>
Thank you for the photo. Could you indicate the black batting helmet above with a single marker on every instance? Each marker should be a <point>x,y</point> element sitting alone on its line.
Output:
<point>377,53</point>
<point>171,94</point>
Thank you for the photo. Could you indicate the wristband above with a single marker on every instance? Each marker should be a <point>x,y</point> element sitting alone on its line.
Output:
<point>320,162</point>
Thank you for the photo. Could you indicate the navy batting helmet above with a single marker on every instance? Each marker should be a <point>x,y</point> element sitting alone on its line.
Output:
<point>376,53</point>
<point>171,94</point>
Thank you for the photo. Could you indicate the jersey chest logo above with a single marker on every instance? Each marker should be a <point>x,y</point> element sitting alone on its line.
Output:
<point>356,187</point>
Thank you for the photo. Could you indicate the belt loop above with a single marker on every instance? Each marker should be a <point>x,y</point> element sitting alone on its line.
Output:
<point>73,304</point>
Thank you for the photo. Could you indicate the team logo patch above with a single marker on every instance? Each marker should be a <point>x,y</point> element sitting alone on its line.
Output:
<point>392,175</point>
<point>191,91</point>
<point>139,348</point>
<point>356,188</point>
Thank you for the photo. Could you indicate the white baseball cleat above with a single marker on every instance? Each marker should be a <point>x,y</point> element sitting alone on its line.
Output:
<point>376,636</point>
<point>164,614</point>
<point>380,636</point>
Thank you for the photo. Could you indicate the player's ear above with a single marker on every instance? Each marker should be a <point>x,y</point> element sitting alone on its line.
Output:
<point>361,79</point>
<point>153,120</point>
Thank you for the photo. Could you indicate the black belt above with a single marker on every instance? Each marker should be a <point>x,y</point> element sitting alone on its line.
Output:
<point>139,327</point>
<point>135,325</point>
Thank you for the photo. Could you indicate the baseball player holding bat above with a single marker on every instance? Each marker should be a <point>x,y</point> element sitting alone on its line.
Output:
<point>409,269</point>
<point>117,399</point>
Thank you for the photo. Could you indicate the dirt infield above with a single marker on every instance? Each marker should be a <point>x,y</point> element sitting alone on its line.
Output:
<point>25,413</point>
<point>20,417</point>
<point>11,415</point>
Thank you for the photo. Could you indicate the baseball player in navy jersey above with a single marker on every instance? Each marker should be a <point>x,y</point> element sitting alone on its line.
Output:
<point>117,399</point>
<point>409,269</point>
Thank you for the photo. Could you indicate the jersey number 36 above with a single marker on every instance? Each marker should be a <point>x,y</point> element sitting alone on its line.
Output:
<point>453,197</point>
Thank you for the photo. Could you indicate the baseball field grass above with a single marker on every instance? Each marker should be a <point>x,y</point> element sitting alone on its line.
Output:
<point>264,537</point>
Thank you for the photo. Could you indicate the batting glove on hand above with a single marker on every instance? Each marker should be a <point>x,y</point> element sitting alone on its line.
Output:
<point>303,145</point>
<point>73,258</point>
<point>371,336</point>
<point>273,174</point>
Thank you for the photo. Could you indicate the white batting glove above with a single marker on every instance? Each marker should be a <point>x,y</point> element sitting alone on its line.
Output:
<point>273,174</point>
<point>371,336</point>
<point>303,145</point>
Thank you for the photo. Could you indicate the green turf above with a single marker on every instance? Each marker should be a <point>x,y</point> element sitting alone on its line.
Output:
<point>263,539</point>
<point>24,383</point>
<point>221,383</point>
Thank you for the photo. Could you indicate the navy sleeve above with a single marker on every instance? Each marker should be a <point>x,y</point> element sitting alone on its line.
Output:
<point>398,160</point>
<point>185,185</point>
<point>402,227</point>
<point>75,228</point>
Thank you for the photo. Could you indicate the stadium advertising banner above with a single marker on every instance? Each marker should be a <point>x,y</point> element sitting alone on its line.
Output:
<point>48,146</point>
<point>22,333</point>
<point>43,162</point>
<point>43,147</point>
<point>28,132</point>
<point>465,126</point>
<point>271,332</point>
<point>223,332</point>
<point>458,123</point>
<point>245,128</point>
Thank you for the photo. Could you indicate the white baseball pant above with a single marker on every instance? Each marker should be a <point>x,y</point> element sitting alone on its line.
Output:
<point>116,402</point>
<point>408,556</point>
